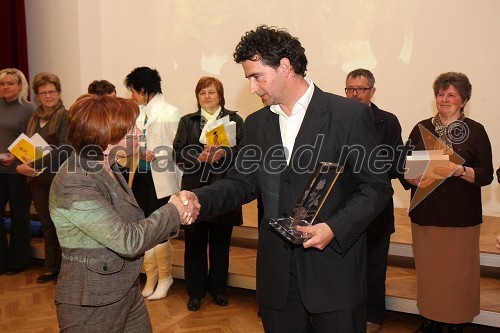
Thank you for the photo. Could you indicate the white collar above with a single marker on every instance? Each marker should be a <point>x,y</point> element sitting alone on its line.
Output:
<point>210,117</point>
<point>302,102</point>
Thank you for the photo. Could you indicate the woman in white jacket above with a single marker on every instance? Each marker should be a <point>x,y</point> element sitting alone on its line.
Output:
<point>155,177</point>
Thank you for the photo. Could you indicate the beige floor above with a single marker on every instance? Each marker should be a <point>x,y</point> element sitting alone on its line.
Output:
<point>28,307</point>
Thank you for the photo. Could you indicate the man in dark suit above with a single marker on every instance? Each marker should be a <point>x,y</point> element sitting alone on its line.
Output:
<point>319,286</point>
<point>360,85</point>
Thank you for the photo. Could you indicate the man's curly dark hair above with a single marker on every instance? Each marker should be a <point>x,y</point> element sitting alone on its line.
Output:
<point>271,44</point>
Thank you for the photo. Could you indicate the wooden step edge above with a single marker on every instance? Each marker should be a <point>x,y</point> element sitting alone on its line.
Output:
<point>400,304</point>
<point>402,248</point>
<point>401,290</point>
<point>405,250</point>
<point>234,279</point>
<point>488,251</point>
<point>393,303</point>
<point>248,232</point>
<point>398,250</point>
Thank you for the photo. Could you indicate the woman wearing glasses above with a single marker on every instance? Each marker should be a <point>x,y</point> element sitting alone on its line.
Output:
<point>102,230</point>
<point>15,111</point>
<point>50,122</point>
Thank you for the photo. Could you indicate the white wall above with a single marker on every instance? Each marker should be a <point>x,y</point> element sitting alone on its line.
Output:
<point>406,43</point>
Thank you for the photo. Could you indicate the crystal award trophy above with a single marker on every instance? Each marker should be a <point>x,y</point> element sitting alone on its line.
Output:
<point>306,210</point>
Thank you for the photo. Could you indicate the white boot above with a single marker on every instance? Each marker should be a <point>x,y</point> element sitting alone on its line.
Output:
<point>163,254</point>
<point>151,270</point>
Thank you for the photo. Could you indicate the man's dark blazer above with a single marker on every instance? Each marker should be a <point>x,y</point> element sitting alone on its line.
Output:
<point>389,133</point>
<point>334,129</point>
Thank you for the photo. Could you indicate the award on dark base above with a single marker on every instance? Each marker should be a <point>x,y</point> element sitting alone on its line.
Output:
<point>306,210</point>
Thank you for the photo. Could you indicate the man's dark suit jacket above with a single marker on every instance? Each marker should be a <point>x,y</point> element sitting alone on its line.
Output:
<point>389,133</point>
<point>334,278</point>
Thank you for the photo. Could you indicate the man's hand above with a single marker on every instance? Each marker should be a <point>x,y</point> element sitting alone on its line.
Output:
<point>321,233</point>
<point>498,242</point>
<point>188,206</point>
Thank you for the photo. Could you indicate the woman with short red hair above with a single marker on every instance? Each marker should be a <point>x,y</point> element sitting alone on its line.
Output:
<point>102,230</point>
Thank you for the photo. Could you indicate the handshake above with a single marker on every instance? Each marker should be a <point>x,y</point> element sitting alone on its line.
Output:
<point>187,205</point>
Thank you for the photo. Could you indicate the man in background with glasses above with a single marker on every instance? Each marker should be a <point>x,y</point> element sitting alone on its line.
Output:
<point>360,85</point>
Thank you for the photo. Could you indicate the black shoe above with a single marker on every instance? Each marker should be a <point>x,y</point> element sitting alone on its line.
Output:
<point>430,326</point>
<point>455,328</point>
<point>220,299</point>
<point>194,303</point>
<point>47,278</point>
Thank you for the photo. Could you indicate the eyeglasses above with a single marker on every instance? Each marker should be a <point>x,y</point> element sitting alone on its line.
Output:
<point>134,132</point>
<point>357,90</point>
<point>48,93</point>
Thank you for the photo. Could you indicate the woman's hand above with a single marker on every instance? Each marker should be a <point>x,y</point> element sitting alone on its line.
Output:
<point>422,181</point>
<point>8,159</point>
<point>187,205</point>
<point>146,155</point>
<point>451,170</point>
<point>26,169</point>
<point>211,154</point>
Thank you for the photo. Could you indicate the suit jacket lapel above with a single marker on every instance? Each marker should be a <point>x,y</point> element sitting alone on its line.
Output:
<point>94,169</point>
<point>378,117</point>
<point>312,124</point>
<point>271,131</point>
<point>121,181</point>
<point>121,186</point>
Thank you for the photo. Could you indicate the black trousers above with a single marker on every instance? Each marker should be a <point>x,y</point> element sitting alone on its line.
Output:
<point>378,249</point>
<point>144,191</point>
<point>40,190</point>
<point>202,276</point>
<point>294,317</point>
<point>15,253</point>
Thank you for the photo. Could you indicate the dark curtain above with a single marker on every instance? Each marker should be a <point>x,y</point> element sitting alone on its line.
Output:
<point>14,50</point>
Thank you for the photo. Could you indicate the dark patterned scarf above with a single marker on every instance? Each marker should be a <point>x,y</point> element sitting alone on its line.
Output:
<point>53,119</point>
<point>443,142</point>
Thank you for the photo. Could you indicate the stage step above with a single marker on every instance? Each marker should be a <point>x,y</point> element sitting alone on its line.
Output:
<point>401,293</point>
<point>401,278</point>
<point>401,282</point>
